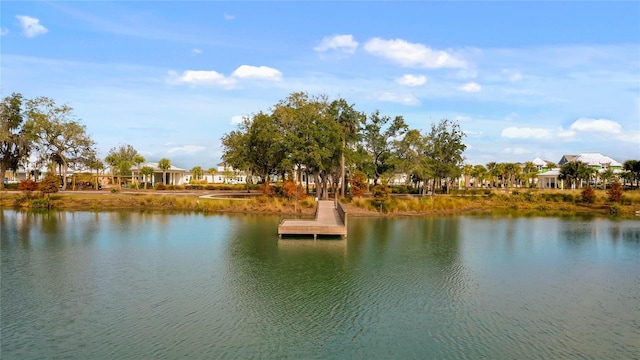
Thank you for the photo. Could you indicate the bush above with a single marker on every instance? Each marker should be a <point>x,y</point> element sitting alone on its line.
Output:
<point>28,185</point>
<point>381,192</point>
<point>531,196</point>
<point>50,184</point>
<point>160,186</point>
<point>615,192</point>
<point>358,184</point>
<point>267,189</point>
<point>588,195</point>
<point>44,203</point>
<point>11,186</point>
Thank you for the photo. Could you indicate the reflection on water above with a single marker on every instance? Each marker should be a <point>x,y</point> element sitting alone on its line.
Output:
<point>147,285</point>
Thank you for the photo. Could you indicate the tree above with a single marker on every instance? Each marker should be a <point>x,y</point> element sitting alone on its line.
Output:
<point>15,144</point>
<point>607,176</point>
<point>444,150</point>
<point>121,159</point>
<point>377,141</point>
<point>633,168</point>
<point>147,171</point>
<point>196,172</point>
<point>349,121</point>
<point>575,172</point>
<point>212,172</point>
<point>512,171</point>
<point>615,192</point>
<point>49,185</point>
<point>530,171</point>
<point>479,173</point>
<point>164,164</point>
<point>138,160</point>
<point>467,170</point>
<point>56,133</point>
<point>358,184</point>
<point>94,163</point>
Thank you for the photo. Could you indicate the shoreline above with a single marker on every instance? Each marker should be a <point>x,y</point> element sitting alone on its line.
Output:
<point>227,202</point>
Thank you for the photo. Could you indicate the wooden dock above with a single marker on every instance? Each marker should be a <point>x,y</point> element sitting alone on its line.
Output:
<point>331,219</point>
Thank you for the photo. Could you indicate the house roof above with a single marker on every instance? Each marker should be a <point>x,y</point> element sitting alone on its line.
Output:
<point>596,159</point>
<point>539,162</point>
<point>155,167</point>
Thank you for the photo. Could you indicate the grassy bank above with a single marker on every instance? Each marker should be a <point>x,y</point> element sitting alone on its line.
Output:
<point>524,202</point>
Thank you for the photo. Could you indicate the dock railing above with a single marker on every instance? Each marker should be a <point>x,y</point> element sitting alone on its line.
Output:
<point>342,211</point>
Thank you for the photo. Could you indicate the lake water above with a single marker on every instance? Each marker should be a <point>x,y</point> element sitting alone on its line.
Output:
<point>129,285</point>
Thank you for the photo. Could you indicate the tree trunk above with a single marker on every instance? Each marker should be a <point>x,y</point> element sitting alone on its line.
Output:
<point>3,172</point>
<point>64,173</point>
<point>343,185</point>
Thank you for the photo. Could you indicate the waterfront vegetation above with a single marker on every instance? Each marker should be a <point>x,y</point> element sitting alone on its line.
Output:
<point>525,202</point>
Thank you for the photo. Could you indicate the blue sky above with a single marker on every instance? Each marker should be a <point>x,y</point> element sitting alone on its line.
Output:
<point>523,79</point>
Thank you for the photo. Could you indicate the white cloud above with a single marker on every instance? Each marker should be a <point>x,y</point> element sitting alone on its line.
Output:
<point>342,43</point>
<point>187,149</point>
<point>526,133</point>
<point>257,72</point>
<point>412,80</point>
<point>196,51</point>
<point>31,27</point>
<point>565,134</point>
<point>202,77</point>
<point>229,17</point>
<point>410,54</point>
<point>460,118</point>
<point>406,99</point>
<point>470,87</point>
<point>4,31</point>
<point>596,125</point>
<point>237,119</point>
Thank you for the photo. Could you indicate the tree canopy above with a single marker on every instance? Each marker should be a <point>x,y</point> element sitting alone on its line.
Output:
<point>57,135</point>
<point>323,138</point>
<point>15,144</point>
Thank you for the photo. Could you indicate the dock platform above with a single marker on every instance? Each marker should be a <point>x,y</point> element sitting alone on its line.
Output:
<point>331,219</point>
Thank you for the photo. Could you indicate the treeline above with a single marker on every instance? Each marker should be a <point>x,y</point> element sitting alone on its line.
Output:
<point>42,129</point>
<point>333,142</point>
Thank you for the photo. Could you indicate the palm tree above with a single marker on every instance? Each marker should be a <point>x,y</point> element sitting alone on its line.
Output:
<point>147,171</point>
<point>138,159</point>
<point>212,171</point>
<point>196,172</point>
<point>607,176</point>
<point>467,170</point>
<point>530,171</point>
<point>511,170</point>
<point>164,164</point>
<point>349,121</point>
<point>479,172</point>
<point>112,160</point>
<point>492,172</point>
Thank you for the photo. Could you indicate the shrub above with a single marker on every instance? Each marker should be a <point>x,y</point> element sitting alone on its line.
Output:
<point>358,184</point>
<point>44,203</point>
<point>12,186</point>
<point>50,184</point>
<point>28,185</point>
<point>531,196</point>
<point>160,186</point>
<point>381,192</point>
<point>614,210</point>
<point>615,192</point>
<point>588,195</point>
<point>267,189</point>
